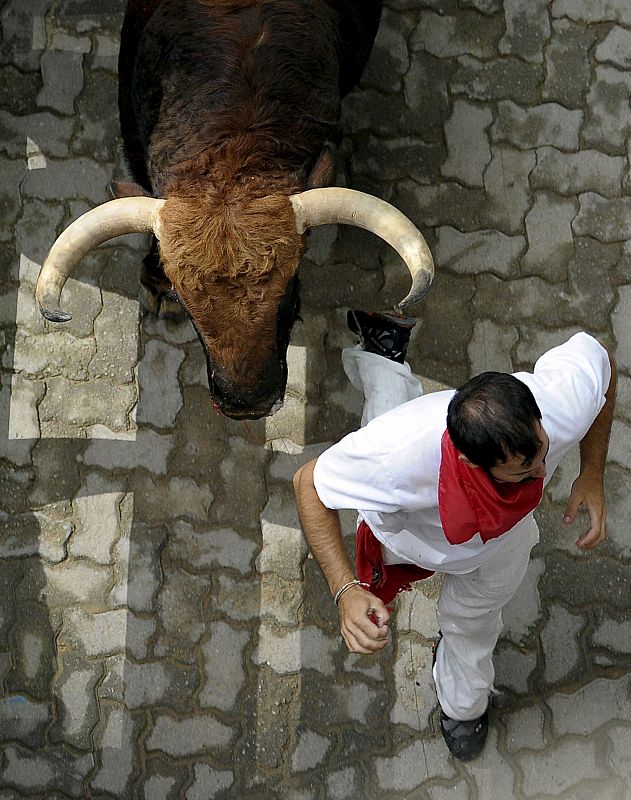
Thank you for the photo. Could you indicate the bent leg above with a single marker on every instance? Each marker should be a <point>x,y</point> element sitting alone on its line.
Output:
<point>469,614</point>
<point>385,384</point>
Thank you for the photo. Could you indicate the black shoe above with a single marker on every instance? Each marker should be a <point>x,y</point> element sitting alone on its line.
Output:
<point>386,334</point>
<point>465,740</point>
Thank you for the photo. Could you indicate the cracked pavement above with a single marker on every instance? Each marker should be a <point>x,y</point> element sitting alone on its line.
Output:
<point>163,632</point>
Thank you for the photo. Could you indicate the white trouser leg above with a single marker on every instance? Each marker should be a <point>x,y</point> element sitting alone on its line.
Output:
<point>385,384</point>
<point>469,615</point>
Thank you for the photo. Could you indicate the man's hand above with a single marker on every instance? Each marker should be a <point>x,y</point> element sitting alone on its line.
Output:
<point>361,635</point>
<point>588,492</point>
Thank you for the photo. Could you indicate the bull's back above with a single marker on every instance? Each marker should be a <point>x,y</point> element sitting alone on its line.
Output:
<point>193,72</point>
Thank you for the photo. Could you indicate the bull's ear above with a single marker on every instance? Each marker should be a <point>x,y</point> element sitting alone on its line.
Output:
<point>324,170</point>
<point>127,189</point>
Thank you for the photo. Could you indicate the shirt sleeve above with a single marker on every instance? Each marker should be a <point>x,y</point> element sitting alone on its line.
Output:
<point>355,473</point>
<point>570,382</point>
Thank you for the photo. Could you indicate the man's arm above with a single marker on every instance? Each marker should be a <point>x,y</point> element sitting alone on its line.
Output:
<point>588,489</point>
<point>321,526</point>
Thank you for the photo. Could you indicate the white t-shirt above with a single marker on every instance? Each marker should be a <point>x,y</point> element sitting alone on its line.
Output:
<point>388,470</point>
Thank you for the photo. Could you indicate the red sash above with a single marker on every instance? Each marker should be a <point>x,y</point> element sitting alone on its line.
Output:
<point>470,501</point>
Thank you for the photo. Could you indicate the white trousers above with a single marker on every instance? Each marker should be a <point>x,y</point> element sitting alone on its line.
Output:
<point>469,609</point>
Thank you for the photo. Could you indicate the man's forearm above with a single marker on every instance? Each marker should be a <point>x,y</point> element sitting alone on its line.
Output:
<point>321,527</point>
<point>595,443</point>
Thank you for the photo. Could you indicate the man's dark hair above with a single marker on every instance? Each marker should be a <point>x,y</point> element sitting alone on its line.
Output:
<point>494,416</point>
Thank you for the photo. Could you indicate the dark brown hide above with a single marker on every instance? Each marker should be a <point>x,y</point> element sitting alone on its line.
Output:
<point>227,108</point>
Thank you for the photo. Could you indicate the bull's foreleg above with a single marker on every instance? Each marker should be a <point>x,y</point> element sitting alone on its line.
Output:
<point>156,294</point>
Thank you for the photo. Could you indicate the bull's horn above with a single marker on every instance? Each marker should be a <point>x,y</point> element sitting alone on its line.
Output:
<point>347,206</point>
<point>126,215</point>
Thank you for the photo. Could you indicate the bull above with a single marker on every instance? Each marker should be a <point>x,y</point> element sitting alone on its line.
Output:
<point>229,114</point>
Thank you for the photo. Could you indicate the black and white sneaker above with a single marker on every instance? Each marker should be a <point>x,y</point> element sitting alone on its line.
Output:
<point>386,334</point>
<point>465,739</point>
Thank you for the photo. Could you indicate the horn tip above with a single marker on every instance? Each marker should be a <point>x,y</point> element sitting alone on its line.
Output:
<point>55,315</point>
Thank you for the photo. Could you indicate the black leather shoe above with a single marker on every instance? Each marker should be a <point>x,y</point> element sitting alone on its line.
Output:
<point>386,334</point>
<point>465,740</point>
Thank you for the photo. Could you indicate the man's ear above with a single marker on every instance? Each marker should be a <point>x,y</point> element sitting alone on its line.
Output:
<point>466,461</point>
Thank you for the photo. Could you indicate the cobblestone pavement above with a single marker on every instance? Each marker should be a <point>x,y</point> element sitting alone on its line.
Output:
<point>163,633</point>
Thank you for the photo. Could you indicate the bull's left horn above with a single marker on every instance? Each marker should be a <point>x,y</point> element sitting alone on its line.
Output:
<point>118,217</point>
<point>347,206</point>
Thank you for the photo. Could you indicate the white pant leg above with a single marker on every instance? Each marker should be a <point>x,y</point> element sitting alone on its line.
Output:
<point>469,614</point>
<point>385,384</point>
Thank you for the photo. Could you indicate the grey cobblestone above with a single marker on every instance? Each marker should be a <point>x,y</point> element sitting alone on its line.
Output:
<point>162,635</point>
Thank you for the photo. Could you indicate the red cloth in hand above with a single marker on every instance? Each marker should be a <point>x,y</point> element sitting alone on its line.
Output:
<point>470,501</point>
<point>386,581</point>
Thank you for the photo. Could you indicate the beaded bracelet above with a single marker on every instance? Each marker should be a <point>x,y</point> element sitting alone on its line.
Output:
<point>346,586</point>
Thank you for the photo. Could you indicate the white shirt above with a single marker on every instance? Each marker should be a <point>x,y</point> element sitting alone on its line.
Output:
<point>388,470</point>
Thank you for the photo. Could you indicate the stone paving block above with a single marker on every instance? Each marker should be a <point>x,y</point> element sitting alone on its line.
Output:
<point>493,775</point>
<point>575,173</point>
<point>164,781</point>
<point>357,702</point>
<point>53,353</point>
<point>70,407</point>
<point>389,59</point>
<point>22,29</point>
<point>284,546</point>
<point>535,342</point>
<point>622,328</point>
<point>97,518</point>
<point>370,109</point>
<point>203,550</point>
<point>18,89</point>
<point>46,130</point>
<point>559,768</point>
<point>589,708</point>
<point>19,400</point>
<point>45,772</point>
<point>11,177</point>
<point>490,347</point>
<point>151,683</point>
<point>606,127</point>
<point>365,665</point>
<point>343,784</point>
<point>460,791</point>
<point>508,198</point>
<point>239,600</point>
<point>584,581</point>
<point>137,563</point>
<point>524,730</point>
<point>547,124</point>
<point>33,651</point>
<point>118,761</point>
<point>423,759</point>
<point>568,69</point>
<point>116,332</point>
<point>492,80</point>
<point>467,143</point>
<point>415,695</point>
<point>111,450</point>
<point>620,736</point>
<point>34,234</point>
<point>523,611</point>
<point>395,159</point>
<point>613,634</point>
<point>415,610</point>
<point>189,736</point>
<point>287,652</point>
<point>157,376</point>
<point>513,668</point>
<point>310,749</point>
<point>77,714</point>
<point>457,34</point>
<point>223,664</point>
<point>70,178</point>
<point>478,252</point>
<point>209,782</point>
<point>549,234</point>
<point>281,600</point>
<point>75,582</point>
<point>561,640</point>
<point>105,633</point>
<point>23,720</point>
<point>603,218</point>
<point>586,11</point>
<point>62,77</point>
<point>614,48</point>
<point>591,258</point>
<point>527,29</point>
<point>179,608</point>
<point>425,93</point>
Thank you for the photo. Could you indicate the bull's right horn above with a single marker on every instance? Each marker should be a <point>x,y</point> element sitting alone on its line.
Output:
<point>335,205</point>
<point>118,217</point>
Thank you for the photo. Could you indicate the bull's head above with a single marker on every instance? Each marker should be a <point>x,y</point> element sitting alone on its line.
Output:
<point>242,312</point>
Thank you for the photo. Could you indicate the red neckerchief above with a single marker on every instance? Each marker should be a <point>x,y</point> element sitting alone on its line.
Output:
<point>470,501</point>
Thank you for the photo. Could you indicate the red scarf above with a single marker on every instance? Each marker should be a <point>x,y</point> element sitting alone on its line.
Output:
<point>470,501</point>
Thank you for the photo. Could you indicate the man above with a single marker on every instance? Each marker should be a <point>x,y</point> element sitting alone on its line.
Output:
<point>447,483</point>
